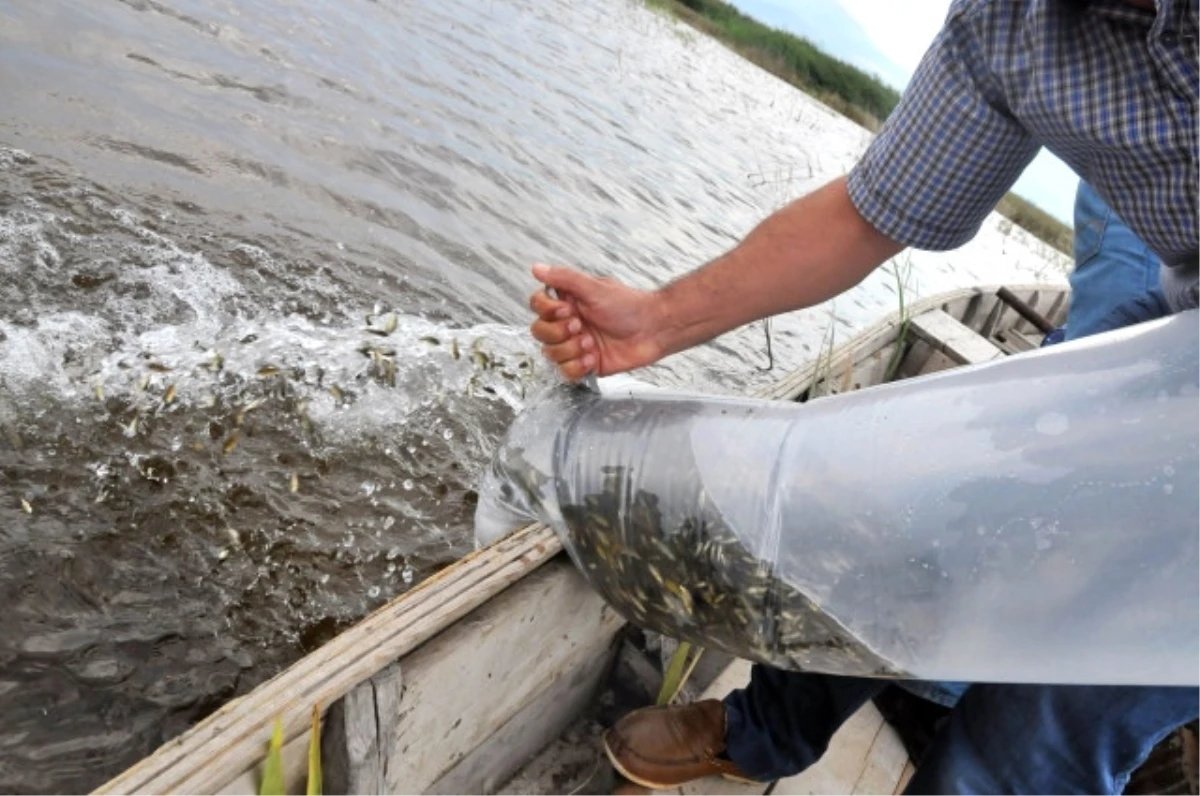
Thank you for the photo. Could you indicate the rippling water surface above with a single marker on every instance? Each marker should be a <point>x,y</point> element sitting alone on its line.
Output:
<point>263,277</point>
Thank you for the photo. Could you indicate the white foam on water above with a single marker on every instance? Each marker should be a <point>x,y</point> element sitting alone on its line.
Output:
<point>347,393</point>
<point>52,356</point>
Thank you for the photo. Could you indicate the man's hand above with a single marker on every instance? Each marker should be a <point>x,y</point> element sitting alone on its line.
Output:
<point>803,254</point>
<point>596,325</point>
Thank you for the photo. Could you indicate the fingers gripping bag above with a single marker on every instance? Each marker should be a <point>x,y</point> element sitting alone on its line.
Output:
<point>1032,519</point>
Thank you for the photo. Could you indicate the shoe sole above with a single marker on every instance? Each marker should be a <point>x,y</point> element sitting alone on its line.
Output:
<point>645,783</point>
<point>742,780</point>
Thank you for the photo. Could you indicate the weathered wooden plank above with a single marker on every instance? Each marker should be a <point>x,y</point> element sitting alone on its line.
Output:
<point>464,685</point>
<point>970,311</point>
<point>917,359</point>
<point>953,338</point>
<point>232,740</point>
<point>354,740</point>
<point>568,764</point>
<point>905,776</point>
<point>936,362</point>
<point>884,763</point>
<point>840,768</point>
<point>527,733</point>
<point>994,319</point>
<point>979,307</point>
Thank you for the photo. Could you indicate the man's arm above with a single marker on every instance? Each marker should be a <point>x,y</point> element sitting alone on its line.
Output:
<point>942,161</point>
<point>808,252</point>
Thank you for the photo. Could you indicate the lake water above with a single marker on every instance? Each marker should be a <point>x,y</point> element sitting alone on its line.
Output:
<point>263,282</point>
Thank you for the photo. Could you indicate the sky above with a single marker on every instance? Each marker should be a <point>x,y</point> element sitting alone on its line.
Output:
<point>887,38</point>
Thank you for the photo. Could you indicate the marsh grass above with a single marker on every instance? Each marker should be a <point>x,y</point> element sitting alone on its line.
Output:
<point>679,669</point>
<point>903,274</point>
<point>273,782</point>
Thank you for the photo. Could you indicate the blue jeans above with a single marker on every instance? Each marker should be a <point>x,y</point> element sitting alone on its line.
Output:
<point>1112,264</point>
<point>1000,738</point>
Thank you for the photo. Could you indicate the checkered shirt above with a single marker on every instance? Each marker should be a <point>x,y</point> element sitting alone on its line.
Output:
<point>1109,88</point>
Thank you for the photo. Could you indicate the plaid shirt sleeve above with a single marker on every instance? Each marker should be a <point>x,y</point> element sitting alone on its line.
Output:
<point>950,151</point>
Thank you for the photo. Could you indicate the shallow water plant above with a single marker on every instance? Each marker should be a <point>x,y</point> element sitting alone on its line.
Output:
<point>679,670</point>
<point>273,783</point>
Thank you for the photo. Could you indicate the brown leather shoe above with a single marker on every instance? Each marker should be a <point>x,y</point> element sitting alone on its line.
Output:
<point>665,747</point>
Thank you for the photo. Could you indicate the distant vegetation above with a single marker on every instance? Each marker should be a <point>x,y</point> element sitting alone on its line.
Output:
<point>849,90</point>
<point>1037,221</point>
<point>845,88</point>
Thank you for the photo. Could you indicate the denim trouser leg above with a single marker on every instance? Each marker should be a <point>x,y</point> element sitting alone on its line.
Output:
<point>781,723</point>
<point>1112,264</point>
<point>999,739</point>
<point>1050,739</point>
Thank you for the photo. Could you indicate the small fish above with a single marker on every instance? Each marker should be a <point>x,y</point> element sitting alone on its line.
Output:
<point>373,351</point>
<point>216,363</point>
<point>454,352</point>
<point>431,340</point>
<point>231,443</point>
<point>159,367</point>
<point>250,407</point>
<point>169,395</point>
<point>389,325</point>
<point>302,413</point>
<point>294,483</point>
<point>99,391</point>
<point>268,370</point>
<point>481,359</point>
<point>103,496</point>
<point>132,428</point>
<point>28,509</point>
<point>337,393</point>
<point>143,383</point>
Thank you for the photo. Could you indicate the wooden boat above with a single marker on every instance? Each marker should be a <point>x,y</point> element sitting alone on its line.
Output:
<point>459,684</point>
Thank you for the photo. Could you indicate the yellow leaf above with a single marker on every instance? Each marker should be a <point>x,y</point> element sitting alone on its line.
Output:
<point>675,677</point>
<point>314,754</point>
<point>272,781</point>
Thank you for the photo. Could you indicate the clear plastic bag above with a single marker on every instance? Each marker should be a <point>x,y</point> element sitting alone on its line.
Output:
<point>1034,519</point>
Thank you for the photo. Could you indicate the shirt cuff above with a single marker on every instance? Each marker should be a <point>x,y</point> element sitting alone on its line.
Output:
<point>894,221</point>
